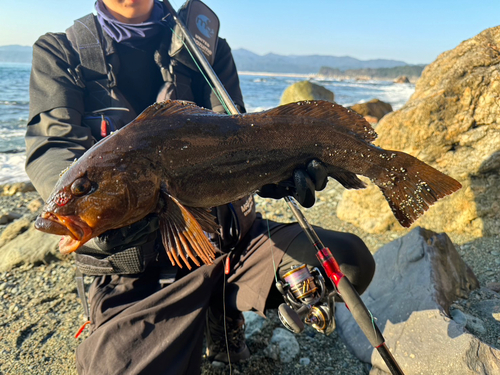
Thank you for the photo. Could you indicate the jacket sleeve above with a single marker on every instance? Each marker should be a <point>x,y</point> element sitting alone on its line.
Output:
<point>54,135</point>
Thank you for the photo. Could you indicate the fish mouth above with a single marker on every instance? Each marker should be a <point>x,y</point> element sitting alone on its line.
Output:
<point>74,230</point>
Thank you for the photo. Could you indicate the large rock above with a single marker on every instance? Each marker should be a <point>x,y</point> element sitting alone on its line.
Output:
<point>306,90</point>
<point>21,243</point>
<point>418,277</point>
<point>375,108</point>
<point>402,79</point>
<point>15,229</point>
<point>451,122</point>
<point>283,346</point>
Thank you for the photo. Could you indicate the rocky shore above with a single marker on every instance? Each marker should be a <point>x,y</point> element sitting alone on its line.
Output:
<point>443,285</point>
<point>40,311</point>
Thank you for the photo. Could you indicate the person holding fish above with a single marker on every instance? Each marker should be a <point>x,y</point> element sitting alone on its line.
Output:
<point>165,271</point>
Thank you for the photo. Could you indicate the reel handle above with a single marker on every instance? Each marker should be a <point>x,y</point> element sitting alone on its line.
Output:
<point>290,318</point>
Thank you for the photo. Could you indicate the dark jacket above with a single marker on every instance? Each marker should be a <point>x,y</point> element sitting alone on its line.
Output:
<point>56,132</point>
<point>62,124</point>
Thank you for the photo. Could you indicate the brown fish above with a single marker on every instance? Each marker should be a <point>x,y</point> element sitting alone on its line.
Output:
<point>178,160</point>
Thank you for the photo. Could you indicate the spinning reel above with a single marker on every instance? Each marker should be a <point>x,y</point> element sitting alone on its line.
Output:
<point>306,301</point>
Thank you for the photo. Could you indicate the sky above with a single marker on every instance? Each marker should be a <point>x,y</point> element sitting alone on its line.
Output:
<point>412,31</point>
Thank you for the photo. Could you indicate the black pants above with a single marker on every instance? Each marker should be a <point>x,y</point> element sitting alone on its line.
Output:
<point>140,328</point>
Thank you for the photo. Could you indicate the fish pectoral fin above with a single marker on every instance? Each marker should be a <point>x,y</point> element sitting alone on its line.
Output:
<point>183,236</point>
<point>205,219</point>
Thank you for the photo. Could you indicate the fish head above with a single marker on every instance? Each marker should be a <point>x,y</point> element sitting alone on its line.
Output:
<point>89,200</point>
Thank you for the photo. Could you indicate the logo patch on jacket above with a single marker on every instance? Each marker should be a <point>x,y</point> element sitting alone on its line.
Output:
<point>246,208</point>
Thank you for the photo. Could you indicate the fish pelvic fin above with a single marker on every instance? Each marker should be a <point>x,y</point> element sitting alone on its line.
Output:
<point>411,187</point>
<point>348,179</point>
<point>347,119</point>
<point>183,235</point>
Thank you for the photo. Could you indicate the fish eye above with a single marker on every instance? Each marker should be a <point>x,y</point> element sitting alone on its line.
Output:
<point>80,186</point>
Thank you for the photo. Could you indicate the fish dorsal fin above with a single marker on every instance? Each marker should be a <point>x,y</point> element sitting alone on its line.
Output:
<point>173,108</point>
<point>325,110</point>
<point>183,236</point>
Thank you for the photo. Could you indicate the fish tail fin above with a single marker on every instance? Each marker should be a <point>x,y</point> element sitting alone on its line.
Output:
<point>411,187</point>
<point>183,236</point>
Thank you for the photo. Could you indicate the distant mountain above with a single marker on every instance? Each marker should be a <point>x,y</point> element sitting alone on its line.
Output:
<point>272,63</point>
<point>249,61</point>
<point>15,53</point>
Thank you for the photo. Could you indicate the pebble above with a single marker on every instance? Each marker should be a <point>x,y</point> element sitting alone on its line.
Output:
<point>218,364</point>
<point>305,361</point>
<point>35,205</point>
<point>43,297</point>
<point>456,306</point>
<point>13,308</point>
<point>458,316</point>
<point>474,324</point>
<point>9,217</point>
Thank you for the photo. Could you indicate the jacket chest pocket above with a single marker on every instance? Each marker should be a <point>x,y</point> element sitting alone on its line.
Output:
<point>105,121</point>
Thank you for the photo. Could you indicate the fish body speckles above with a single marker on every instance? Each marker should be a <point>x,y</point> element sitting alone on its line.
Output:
<point>190,159</point>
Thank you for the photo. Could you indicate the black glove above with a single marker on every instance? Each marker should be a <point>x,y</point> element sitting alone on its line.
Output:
<point>302,185</point>
<point>116,240</point>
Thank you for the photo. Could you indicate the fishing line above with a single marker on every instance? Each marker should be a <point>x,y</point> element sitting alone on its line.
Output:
<point>224,311</point>
<point>214,89</point>
<point>225,320</point>
<point>374,325</point>
<point>221,100</point>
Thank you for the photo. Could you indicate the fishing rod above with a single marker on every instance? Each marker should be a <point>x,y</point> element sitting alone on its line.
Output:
<point>350,296</point>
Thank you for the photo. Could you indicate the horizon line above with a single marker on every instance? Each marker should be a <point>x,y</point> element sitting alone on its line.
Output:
<point>278,54</point>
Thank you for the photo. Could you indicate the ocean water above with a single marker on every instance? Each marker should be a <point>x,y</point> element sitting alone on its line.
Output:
<point>260,92</point>
<point>14,107</point>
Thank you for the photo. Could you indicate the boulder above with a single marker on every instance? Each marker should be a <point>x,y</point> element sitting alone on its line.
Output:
<point>373,108</point>
<point>21,243</point>
<point>305,90</point>
<point>402,79</point>
<point>15,229</point>
<point>451,122</point>
<point>417,280</point>
<point>254,323</point>
<point>283,346</point>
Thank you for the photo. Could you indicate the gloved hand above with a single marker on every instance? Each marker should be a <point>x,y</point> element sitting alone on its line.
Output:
<point>302,185</point>
<point>116,240</point>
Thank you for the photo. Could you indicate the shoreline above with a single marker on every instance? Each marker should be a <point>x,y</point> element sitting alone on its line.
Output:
<point>270,74</point>
<point>320,77</point>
